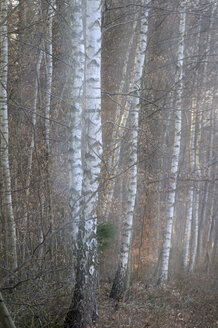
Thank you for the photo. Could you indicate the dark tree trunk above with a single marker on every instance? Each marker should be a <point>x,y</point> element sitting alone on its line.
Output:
<point>82,312</point>
<point>119,284</point>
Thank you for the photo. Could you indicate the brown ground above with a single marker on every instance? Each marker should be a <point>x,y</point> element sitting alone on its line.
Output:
<point>191,303</point>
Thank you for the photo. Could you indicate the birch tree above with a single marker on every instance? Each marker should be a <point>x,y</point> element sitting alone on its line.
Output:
<point>4,135</point>
<point>120,280</point>
<point>198,136</point>
<point>207,184</point>
<point>49,75</point>
<point>194,195</point>
<point>211,229</point>
<point>5,317</point>
<point>192,153</point>
<point>83,310</point>
<point>31,150</point>
<point>120,125</point>
<point>176,149</point>
<point>191,190</point>
<point>77,96</point>
<point>211,97</point>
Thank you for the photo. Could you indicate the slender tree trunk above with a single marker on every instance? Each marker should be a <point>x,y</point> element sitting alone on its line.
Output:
<point>215,245</point>
<point>4,236</point>
<point>207,184</point>
<point>191,189</point>
<point>120,280</point>
<point>196,196</point>
<point>31,150</point>
<point>5,317</point>
<point>49,76</point>
<point>161,184</point>
<point>211,229</point>
<point>4,134</point>
<point>198,168</point>
<point>192,157</point>
<point>176,150</point>
<point>119,129</point>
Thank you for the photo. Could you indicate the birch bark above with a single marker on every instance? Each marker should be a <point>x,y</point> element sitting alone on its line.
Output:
<point>77,94</point>
<point>119,283</point>
<point>195,218</point>
<point>4,134</point>
<point>83,309</point>
<point>191,190</point>
<point>176,150</point>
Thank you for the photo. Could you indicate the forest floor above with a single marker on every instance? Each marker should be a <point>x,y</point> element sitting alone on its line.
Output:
<point>187,302</point>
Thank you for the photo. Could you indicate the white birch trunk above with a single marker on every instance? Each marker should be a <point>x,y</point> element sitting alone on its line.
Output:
<point>121,275</point>
<point>176,151</point>
<point>7,197</point>
<point>83,309</point>
<point>75,144</point>
<point>191,190</point>
<point>93,150</point>
<point>92,115</point>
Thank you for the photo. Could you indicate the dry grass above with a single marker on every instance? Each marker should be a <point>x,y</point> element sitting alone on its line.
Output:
<point>190,302</point>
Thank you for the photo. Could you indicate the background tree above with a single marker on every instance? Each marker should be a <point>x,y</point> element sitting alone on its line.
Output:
<point>133,109</point>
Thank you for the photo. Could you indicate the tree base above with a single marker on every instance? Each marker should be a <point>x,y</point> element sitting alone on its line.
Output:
<point>119,285</point>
